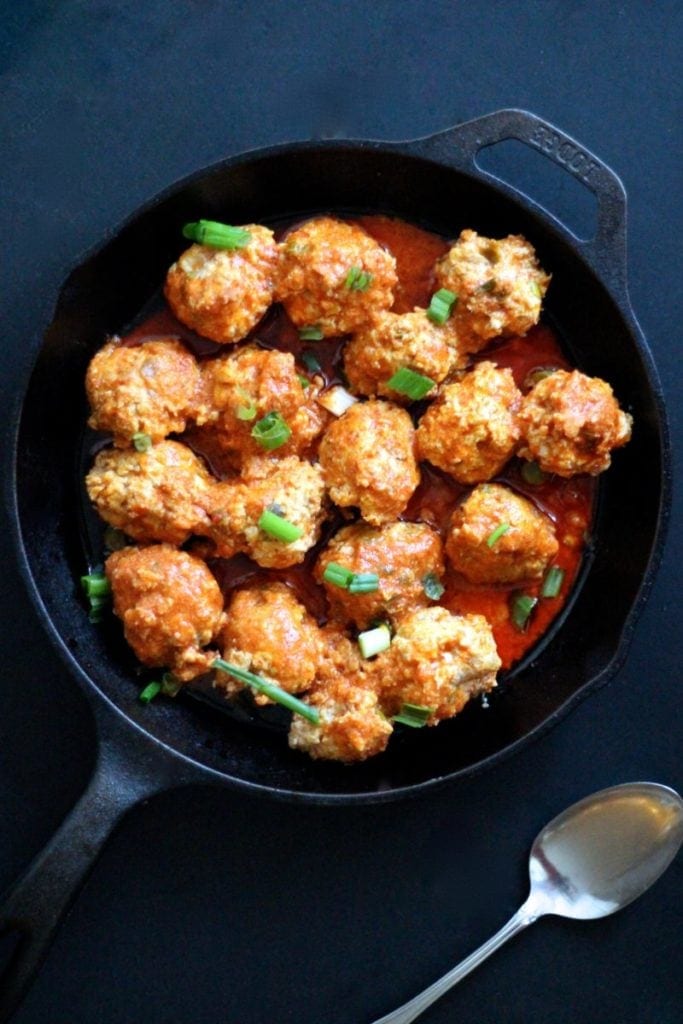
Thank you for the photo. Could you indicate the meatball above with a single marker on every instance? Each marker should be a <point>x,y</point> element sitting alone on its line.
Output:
<point>368,460</point>
<point>149,389</point>
<point>159,495</point>
<point>290,487</point>
<point>499,285</point>
<point>223,293</point>
<point>471,430</point>
<point>352,726</point>
<point>439,661</point>
<point>400,554</point>
<point>393,341</point>
<point>243,387</point>
<point>334,276</point>
<point>269,632</point>
<point>170,606</point>
<point>497,536</point>
<point>570,423</point>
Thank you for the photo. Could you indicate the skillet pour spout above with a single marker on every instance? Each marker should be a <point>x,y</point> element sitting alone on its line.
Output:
<point>437,183</point>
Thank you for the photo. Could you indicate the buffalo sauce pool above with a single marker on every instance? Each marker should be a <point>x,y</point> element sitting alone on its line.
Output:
<point>568,503</point>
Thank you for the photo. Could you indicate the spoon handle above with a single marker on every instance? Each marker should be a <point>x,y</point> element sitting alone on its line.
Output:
<point>414,1007</point>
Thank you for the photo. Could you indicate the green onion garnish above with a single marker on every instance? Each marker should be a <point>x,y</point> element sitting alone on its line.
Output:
<point>271,431</point>
<point>432,586</point>
<point>358,280</point>
<point>249,409</point>
<point>311,333</point>
<point>337,575</point>
<point>533,474</point>
<point>141,442</point>
<point>414,715</point>
<point>278,528</point>
<point>499,531</point>
<point>271,690</point>
<point>552,584</point>
<point>220,236</point>
<point>151,691</point>
<point>364,583</point>
<point>407,382</point>
<point>170,686</point>
<point>98,591</point>
<point>520,610</point>
<point>374,641</point>
<point>536,375</point>
<point>311,363</point>
<point>304,381</point>
<point>441,305</point>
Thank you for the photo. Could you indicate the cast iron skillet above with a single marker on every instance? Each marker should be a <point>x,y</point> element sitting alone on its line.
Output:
<point>144,750</point>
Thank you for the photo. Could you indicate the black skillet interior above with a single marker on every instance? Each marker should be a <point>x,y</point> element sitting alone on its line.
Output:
<point>110,288</point>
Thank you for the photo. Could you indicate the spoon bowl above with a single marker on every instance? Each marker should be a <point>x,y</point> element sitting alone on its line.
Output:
<point>590,861</point>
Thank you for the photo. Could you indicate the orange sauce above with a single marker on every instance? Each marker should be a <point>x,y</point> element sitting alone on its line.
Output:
<point>568,503</point>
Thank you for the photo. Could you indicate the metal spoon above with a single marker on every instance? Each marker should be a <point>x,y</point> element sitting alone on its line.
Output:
<point>593,859</point>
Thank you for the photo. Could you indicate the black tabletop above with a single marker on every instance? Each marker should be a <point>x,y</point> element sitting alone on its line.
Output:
<point>208,905</point>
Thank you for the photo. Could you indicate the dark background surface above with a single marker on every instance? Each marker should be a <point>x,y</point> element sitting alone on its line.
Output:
<point>207,905</point>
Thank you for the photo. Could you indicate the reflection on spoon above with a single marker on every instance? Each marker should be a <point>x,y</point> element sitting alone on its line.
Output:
<point>593,859</point>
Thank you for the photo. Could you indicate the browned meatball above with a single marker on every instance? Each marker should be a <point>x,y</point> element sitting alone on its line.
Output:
<point>368,460</point>
<point>352,726</point>
<point>497,536</point>
<point>269,632</point>
<point>570,424</point>
<point>244,386</point>
<point>170,605</point>
<point>471,430</point>
<point>439,661</point>
<point>148,389</point>
<point>290,487</point>
<point>159,495</point>
<point>400,554</point>
<point>334,276</point>
<point>223,293</point>
<point>393,341</point>
<point>499,285</point>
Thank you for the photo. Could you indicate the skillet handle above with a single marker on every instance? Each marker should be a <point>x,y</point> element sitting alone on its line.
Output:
<point>37,903</point>
<point>606,252</point>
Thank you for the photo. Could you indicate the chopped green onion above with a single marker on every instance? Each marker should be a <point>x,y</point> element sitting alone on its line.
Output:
<point>520,610</point>
<point>170,685</point>
<point>114,540</point>
<point>270,690</point>
<point>151,691</point>
<point>271,431</point>
<point>96,584</point>
<point>441,305</point>
<point>414,385</point>
<point>310,361</point>
<point>552,584</point>
<point>536,289</point>
<point>336,400</point>
<point>488,286</point>
<point>337,575</point>
<point>312,333</point>
<point>374,641</point>
<point>499,531</point>
<point>533,474</point>
<point>432,586</point>
<point>536,375</point>
<point>358,280</point>
<point>278,528</point>
<point>364,583</point>
<point>141,442</point>
<point>249,409</point>
<point>304,381</point>
<point>217,235</point>
<point>414,715</point>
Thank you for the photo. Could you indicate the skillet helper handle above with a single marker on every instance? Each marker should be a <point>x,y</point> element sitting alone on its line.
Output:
<point>606,252</point>
<point>37,903</point>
